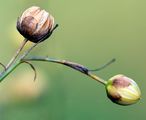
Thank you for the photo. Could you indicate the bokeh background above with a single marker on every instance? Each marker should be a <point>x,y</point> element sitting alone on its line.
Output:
<point>91,33</point>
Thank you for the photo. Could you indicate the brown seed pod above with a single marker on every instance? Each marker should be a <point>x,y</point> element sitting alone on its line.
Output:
<point>35,24</point>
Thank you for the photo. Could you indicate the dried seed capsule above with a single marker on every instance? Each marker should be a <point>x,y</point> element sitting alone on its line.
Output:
<point>35,24</point>
<point>123,90</point>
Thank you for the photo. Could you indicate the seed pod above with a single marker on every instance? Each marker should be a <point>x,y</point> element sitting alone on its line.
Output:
<point>123,90</point>
<point>35,24</point>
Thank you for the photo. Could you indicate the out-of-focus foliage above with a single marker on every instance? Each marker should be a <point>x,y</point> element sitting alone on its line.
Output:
<point>91,33</point>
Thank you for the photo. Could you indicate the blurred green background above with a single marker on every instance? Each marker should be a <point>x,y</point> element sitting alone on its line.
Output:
<point>91,33</point>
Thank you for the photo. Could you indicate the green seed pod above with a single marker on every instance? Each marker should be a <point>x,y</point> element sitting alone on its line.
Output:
<point>122,90</point>
<point>35,24</point>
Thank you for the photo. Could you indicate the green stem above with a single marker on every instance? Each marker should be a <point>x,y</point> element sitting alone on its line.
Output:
<point>17,53</point>
<point>8,71</point>
<point>13,62</point>
<point>73,65</point>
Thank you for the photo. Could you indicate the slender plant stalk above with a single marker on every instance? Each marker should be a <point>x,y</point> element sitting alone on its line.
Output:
<point>16,54</point>
<point>9,70</point>
<point>95,77</point>
<point>14,62</point>
<point>73,65</point>
<point>29,50</point>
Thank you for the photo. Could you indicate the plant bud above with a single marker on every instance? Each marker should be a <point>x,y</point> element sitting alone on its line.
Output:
<point>35,24</point>
<point>123,90</point>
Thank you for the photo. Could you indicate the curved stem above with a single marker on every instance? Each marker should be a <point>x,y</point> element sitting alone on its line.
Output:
<point>103,66</point>
<point>16,54</point>
<point>73,65</point>
<point>13,62</point>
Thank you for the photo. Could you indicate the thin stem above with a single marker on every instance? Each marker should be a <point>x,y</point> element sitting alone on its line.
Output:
<point>8,71</point>
<point>3,66</point>
<point>73,65</point>
<point>97,78</point>
<point>28,51</point>
<point>104,66</point>
<point>14,63</point>
<point>17,53</point>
